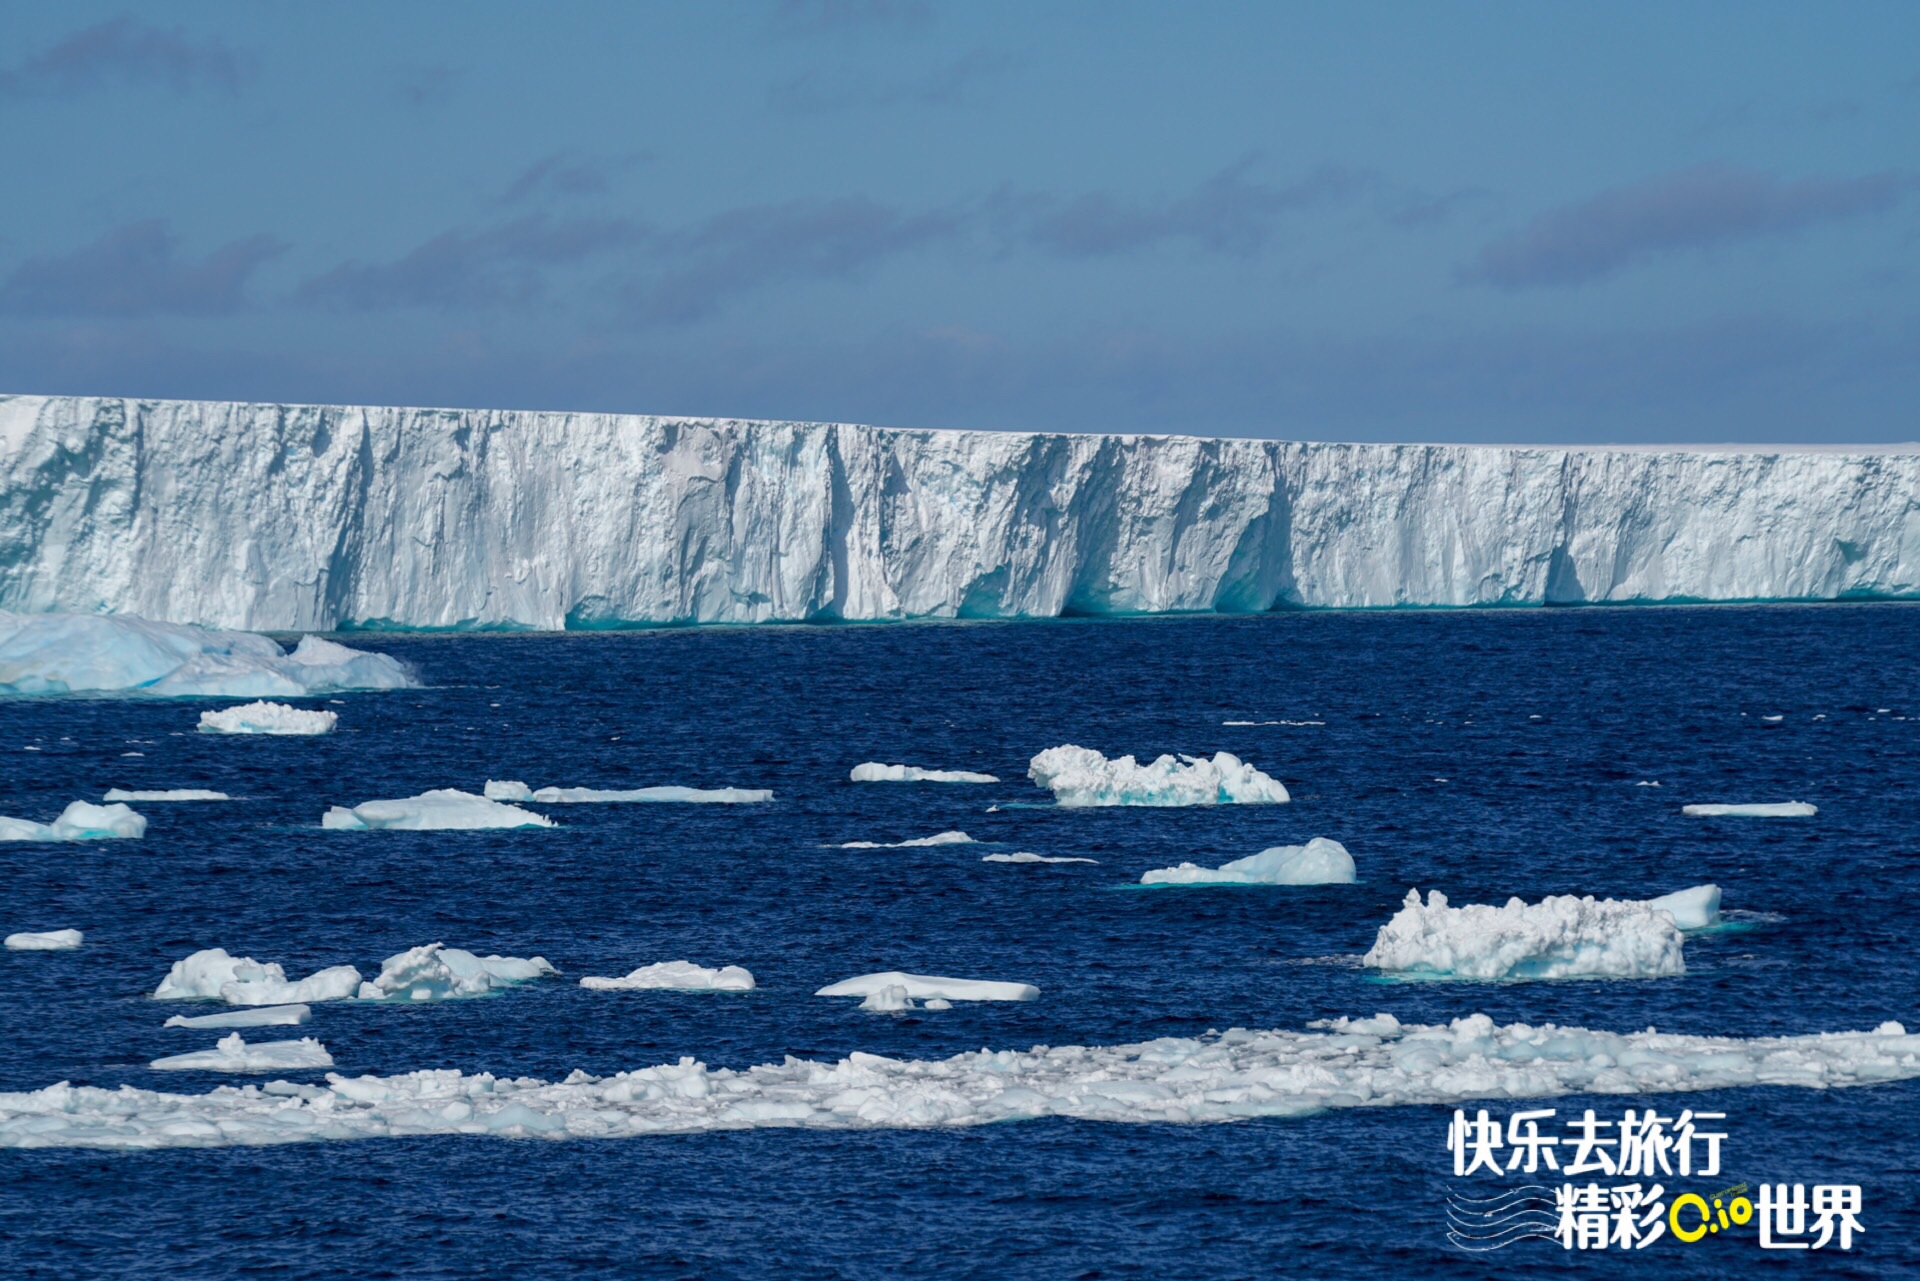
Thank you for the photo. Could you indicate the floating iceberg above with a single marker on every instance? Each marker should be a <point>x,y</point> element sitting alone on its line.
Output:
<point>893,999</point>
<point>1694,909</point>
<point>268,718</point>
<point>49,941</point>
<point>875,772</point>
<point>925,986</point>
<point>1319,862</point>
<point>443,809</point>
<point>919,842</point>
<point>80,821</point>
<point>679,976</point>
<point>261,1016</point>
<point>212,975</point>
<point>1560,937</point>
<point>97,654</point>
<point>435,972</point>
<point>174,794</point>
<point>1231,1076</point>
<point>1024,857</point>
<point>233,1054</point>
<point>1080,776</point>
<point>1782,809</point>
<point>512,790</point>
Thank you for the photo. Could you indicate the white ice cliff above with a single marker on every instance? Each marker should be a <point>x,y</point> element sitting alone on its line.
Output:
<point>299,517</point>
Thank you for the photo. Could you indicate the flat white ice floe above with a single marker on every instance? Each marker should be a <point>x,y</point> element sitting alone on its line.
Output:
<point>513,790</point>
<point>678,976</point>
<point>268,718</point>
<point>1780,809</point>
<point>927,986</point>
<point>170,794</point>
<point>1320,861</point>
<point>1024,856</point>
<point>97,654</point>
<point>233,1054</point>
<point>45,941</point>
<point>1080,776</point>
<point>436,972</point>
<point>875,772</point>
<point>1237,1074</point>
<point>443,809</point>
<point>1560,937</point>
<point>80,821</point>
<point>262,1016</point>
<point>919,842</point>
<point>211,974</point>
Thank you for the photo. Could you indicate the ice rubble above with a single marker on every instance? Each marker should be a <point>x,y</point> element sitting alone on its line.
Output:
<point>268,718</point>
<point>1342,1063</point>
<point>1024,857</point>
<point>212,975</point>
<point>1781,809</point>
<point>46,941</point>
<point>1320,861</point>
<point>927,986</point>
<point>442,809</point>
<point>918,842</point>
<point>679,976</point>
<point>98,654</point>
<point>80,821</point>
<point>513,790</point>
<point>875,772</point>
<point>233,1054</point>
<point>1080,776</point>
<point>435,972</point>
<point>259,1016</point>
<point>431,972</point>
<point>1560,937</point>
<point>172,794</point>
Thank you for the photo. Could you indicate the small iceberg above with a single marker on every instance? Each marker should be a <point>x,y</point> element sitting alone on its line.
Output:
<point>263,1016</point>
<point>1080,776</point>
<point>893,999</point>
<point>1560,937</point>
<point>268,718</point>
<point>930,987</point>
<point>233,1054</point>
<point>1024,857</point>
<point>436,972</point>
<point>80,821</point>
<point>1781,809</point>
<point>172,794</point>
<point>875,772</point>
<point>212,975</point>
<point>920,842</point>
<point>440,810</point>
<point>1319,862</point>
<point>49,941</point>
<point>676,976</point>
<point>1691,910</point>
<point>513,790</point>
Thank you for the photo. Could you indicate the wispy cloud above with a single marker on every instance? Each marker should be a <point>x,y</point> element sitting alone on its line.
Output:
<point>136,270</point>
<point>566,174</point>
<point>1692,209</point>
<point>127,51</point>
<point>818,92</point>
<point>505,263</point>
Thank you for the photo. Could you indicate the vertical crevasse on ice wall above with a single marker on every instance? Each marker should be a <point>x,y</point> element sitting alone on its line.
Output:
<point>300,517</point>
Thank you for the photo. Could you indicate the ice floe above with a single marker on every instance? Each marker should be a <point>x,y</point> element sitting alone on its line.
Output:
<point>211,974</point>
<point>1320,861</point>
<point>171,794</point>
<point>927,986</point>
<point>1780,809</point>
<point>1297,724</point>
<point>678,976</point>
<point>80,821</point>
<point>1560,937</point>
<point>435,972</point>
<point>443,809</point>
<point>233,1054</point>
<point>45,941</point>
<point>1080,776</point>
<point>1024,856</point>
<point>893,999</point>
<point>260,1016</point>
<point>1231,1076</point>
<point>875,772</point>
<point>268,718</point>
<point>98,654</point>
<point>1691,909</point>
<point>513,790</point>
<point>919,842</point>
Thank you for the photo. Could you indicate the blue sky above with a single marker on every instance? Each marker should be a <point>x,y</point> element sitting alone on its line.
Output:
<point>1479,222</point>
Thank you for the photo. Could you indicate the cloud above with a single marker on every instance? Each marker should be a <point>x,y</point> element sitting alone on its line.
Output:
<point>127,51</point>
<point>818,92</point>
<point>1692,209</point>
<point>565,174</point>
<point>136,271</point>
<point>500,264</point>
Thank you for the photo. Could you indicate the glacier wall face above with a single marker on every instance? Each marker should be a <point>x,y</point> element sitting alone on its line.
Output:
<point>306,517</point>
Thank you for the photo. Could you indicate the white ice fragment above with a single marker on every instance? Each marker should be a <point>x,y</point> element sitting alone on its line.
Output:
<point>172,794</point>
<point>1560,937</point>
<point>1780,809</point>
<point>1080,776</point>
<point>80,821</point>
<point>435,972</point>
<point>654,795</point>
<point>443,809</point>
<point>233,1054</point>
<point>47,941</point>
<point>268,718</point>
<point>923,985</point>
<point>212,975</point>
<point>1023,856</point>
<point>681,976</point>
<point>875,772</point>
<point>918,842</point>
<point>1320,861</point>
<point>1691,909</point>
<point>890,999</point>
<point>260,1016</point>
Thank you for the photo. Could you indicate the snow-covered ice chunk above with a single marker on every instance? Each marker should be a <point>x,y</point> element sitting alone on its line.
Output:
<point>80,821</point>
<point>212,975</point>
<point>1691,909</point>
<point>268,718</point>
<point>875,772</point>
<point>918,842</point>
<point>1023,856</point>
<point>1080,776</point>
<point>171,794</point>
<point>513,790</point>
<point>443,809</point>
<point>260,1016</point>
<point>1560,937</point>
<point>1224,1077</point>
<point>1319,862</point>
<point>435,972</point>
<point>923,986</point>
<point>45,941</point>
<point>679,976</point>
<point>233,1054</point>
<point>1779,809</point>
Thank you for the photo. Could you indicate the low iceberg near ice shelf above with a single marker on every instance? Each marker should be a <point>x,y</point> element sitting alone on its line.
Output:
<point>929,987</point>
<point>211,974</point>
<point>45,941</point>
<point>1774,809</point>
<point>80,821</point>
<point>441,810</point>
<point>100,654</point>
<point>513,790</point>
<point>875,772</point>
<point>1080,776</point>
<point>233,1054</point>
<point>436,972</point>
<point>1320,861</point>
<point>269,718</point>
<point>675,976</point>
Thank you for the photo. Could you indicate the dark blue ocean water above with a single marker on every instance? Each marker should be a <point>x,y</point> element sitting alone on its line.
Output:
<point>1486,754</point>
